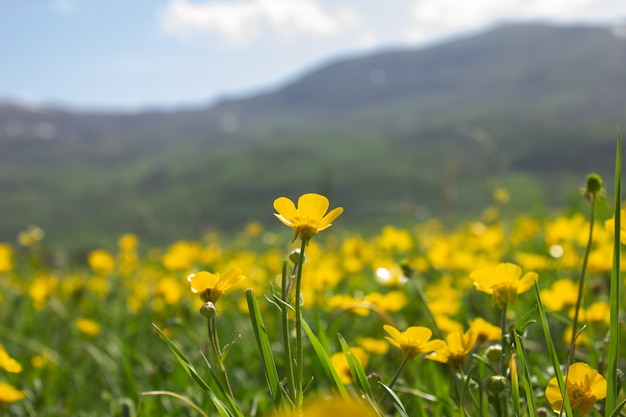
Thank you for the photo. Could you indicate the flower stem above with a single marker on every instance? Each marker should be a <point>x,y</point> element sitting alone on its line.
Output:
<point>424,302</point>
<point>505,337</point>
<point>285,287</point>
<point>217,352</point>
<point>405,360</point>
<point>581,281</point>
<point>299,350</point>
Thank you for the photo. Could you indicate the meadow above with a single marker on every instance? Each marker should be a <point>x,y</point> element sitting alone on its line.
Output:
<point>494,316</point>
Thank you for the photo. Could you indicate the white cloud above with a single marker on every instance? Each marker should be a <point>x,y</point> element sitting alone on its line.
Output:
<point>242,20</point>
<point>435,17</point>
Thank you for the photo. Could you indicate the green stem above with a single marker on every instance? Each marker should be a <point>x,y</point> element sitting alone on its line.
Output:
<point>291,387</point>
<point>581,281</point>
<point>217,352</point>
<point>431,317</point>
<point>299,350</point>
<point>504,342</point>
<point>405,360</point>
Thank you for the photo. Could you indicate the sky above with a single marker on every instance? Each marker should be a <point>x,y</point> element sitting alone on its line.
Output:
<point>148,54</point>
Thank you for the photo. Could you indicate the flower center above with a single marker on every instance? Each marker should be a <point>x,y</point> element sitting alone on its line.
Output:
<point>505,292</point>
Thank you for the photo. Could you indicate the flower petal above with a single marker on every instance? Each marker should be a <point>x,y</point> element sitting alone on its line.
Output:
<point>393,332</point>
<point>553,395</point>
<point>507,272</point>
<point>436,345</point>
<point>229,279</point>
<point>203,281</point>
<point>328,219</point>
<point>527,281</point>
<point>285,208</point>
<point>312,206</point>
<point>484,279</point>
<point>418,334</point>
<point>284,220</point>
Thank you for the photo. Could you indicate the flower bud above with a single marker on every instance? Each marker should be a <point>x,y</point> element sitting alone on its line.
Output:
<point>294,256</point>
<point>594,186</point>
<point>208,310</point>
<point>494,353</point>
<point>496,385</point>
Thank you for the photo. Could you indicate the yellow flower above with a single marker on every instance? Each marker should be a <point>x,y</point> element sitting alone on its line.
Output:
<point>584,387</point>
<point>6,257</point>
<point>371,345</point>
<point>212,286</point>
<point>101,261</point>
<point>562,294</point>
<point>87,327</point>
<point>169,290</point>
<point>181,255</point>
<point>42,289</point>
<point>503,282</point>
<point>458,346</point>
<point>9,394</point>
<point>309,218</point>
<point>610,225</point>
<point>340,363</point>
<point>31,236</point>
<point>127,242</point>
<point>323,407</point>
<point>8,363</point>
<point>485,330</point>
<point>413,341</point>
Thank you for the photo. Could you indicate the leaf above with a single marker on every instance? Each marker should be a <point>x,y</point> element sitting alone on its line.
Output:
<point>324,359</point>
<point>552,353</point>
<point>357,371</point>
<point>394,400</point>
<point>265,349</point>
<point>614,293</point>
<point>188,367</point>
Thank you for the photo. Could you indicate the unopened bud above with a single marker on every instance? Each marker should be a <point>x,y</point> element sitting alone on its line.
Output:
<point>294,256</point>
<point>497,384</point>
<point>208,310</point>
<point>593,187</point>
<point>494,353</point>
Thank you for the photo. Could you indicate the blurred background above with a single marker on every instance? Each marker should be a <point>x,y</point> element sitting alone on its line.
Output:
<point>170,119</point>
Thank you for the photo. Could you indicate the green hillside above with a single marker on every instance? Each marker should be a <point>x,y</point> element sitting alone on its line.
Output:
<point>390,136</point>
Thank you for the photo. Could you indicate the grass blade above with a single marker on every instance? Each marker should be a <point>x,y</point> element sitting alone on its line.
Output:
<point>191,371</point>
<point>324,359</point>
<point>397,404</point>
<point>357,371</point>
<point>552,352</point>
<point>526,377</point>
<point>263,343</point>
<point>613,348</point>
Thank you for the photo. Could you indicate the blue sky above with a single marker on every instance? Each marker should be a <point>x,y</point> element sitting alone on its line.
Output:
<point>138,54</point>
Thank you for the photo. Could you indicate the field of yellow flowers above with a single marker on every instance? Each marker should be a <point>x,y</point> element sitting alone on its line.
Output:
<point>491,317</point>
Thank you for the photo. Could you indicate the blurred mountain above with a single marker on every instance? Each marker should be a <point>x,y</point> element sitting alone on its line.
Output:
<point>391,136</point>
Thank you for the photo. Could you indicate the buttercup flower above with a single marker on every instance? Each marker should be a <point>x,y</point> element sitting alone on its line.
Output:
<point>9,394</point>
<point>332,407</point>
<point>309,218</point>
<point>8,363</point>
<point>503,282</point>
<point>458,346</point>
<point>340,363</point>
<point>87,327</point>
<point>485,330</point>
<point>212,286</point>
<point>585,386</point>
<point>413,341</point>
